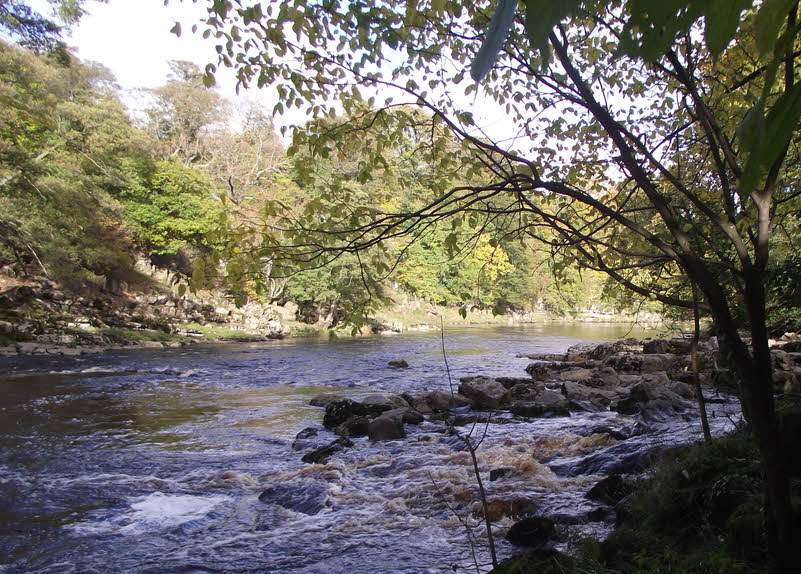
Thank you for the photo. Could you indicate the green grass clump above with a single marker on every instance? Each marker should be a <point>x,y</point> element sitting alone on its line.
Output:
<point>216,333</point>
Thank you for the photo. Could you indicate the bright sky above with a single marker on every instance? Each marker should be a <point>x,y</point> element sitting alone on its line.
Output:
<point>132,38</point>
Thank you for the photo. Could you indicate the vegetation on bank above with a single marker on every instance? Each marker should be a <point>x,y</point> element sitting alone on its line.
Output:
<point>700,511</point>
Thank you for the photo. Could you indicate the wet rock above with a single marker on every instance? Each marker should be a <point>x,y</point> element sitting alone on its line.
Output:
<point>339,411</point>
<point>621,458</point>
<point>320,455</point>
<point>398,364</point>
<point>615,434</point>
<point>540,371</point>
<point>306,433</point>
<point>531,531</point>
<point>388,426</point>
<point>655,401</point>
<point>392,401</point>
<point>485,393</point>
<point>611,490</point>
<point>435,401</point>
<point>526,391</point>
<point>540,560</point>
<point>600,514</point>
<point>589,398</point>
<point>510,382</point>
<point>545,404</point>
<point>307,496</point>
<point>353,427</point>
<point>325,399</point>
<point>498,473</point>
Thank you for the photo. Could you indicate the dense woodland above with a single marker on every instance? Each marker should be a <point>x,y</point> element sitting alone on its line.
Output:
<point>87,187</point>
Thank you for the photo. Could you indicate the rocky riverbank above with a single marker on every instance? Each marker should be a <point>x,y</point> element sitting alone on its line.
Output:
<point>648,384</point>
<point>36,317</point>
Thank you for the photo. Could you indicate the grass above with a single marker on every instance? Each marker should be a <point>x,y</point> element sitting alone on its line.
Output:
<point>216,333</point>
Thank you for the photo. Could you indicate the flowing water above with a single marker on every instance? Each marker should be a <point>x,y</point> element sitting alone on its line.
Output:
<point>154,461</point>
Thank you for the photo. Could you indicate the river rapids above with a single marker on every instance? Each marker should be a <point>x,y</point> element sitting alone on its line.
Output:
<point>153,462</point>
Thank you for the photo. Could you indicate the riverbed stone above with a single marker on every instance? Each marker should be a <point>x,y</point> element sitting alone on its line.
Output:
<point>339,411</point>
<point>545,404</point>
<point>325,399</point>
<point>389,426</point>
<point>531,531</point>
<point>304,496</point>
<point>611,490</point>
<point>398,364</point>
<point>390,400</point>
<point>436,401</point>
<point>321,455</point>
<point>485,393</point>
<point>582,397</point>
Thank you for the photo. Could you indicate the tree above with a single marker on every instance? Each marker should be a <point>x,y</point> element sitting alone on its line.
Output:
<point>36,31</point>
<point>656,143</point>
<point>184,108</point>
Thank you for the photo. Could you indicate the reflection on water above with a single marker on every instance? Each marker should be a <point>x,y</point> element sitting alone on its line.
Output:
<point>154,462</point>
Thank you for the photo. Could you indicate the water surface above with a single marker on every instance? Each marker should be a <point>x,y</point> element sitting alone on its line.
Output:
<point>154,461</point>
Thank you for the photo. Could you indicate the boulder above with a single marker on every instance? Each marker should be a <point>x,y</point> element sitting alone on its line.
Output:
<point>485,393</point>
<point>435,401</point>
<point>653,400</point>
<point>582,397</point>
<point>354,426</point>
<point>304,496</point>
<point>577,374</point>
<point>339,411</point>
<point>320,455</point>
<point>392,401</point>
<point>325,399</point>
<point>546,403</point>
<point>540,371</point>
<point>532,531</point>
<point>398,364</point>
<point>611,490</point>
<point>526,391</point>
<point>389,426</point>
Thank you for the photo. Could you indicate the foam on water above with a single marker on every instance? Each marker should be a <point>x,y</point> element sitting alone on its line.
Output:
<point>157,511</point>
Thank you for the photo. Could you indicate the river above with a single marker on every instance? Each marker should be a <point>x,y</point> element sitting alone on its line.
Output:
<point>154,461</point>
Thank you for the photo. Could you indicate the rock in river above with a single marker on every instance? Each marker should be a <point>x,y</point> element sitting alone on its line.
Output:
<point>305,496</point>
<point>531,531</point>
<point>485,393</point>
<point>341,410</point>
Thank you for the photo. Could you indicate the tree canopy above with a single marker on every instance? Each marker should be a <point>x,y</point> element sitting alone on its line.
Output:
<point>653,141</point>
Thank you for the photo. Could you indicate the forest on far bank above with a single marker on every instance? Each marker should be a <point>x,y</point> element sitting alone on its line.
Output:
<point>87,188</point>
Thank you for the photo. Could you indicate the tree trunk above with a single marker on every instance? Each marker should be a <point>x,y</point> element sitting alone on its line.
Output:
<point>754,370</point>
<point>699,393</point>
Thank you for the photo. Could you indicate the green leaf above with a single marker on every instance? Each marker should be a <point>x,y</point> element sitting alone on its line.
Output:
<point>768,22</point>
<point>463,312</point>
<point>541,17</point>
<point>176,29</point>
<point>781,122</point>
<point>721,21</point>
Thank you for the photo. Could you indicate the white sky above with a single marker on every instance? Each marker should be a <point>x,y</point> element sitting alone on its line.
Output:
<point>132,38</point>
